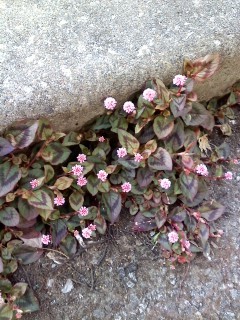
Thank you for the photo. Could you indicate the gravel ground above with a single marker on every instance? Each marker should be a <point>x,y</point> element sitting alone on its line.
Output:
<point>123,278</point>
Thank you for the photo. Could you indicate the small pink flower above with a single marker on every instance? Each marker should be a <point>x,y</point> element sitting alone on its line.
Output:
<point>82,181</point>
<point>102,175</point>
<point>34,183</point>
<point>110,103</point>
<point>126,187</point>
<point>59,201</point>
<point>128,107</point>
<point>101,139</point>
<point>83,211</point>
<point>18,315</point>
<point>46,239</point>
<point>228,175</point>
<point>77,170</point>
<point>81,158</point>
<point>86,233</point>
<point>149,94</point>
<point>186,244</point>
<point>121,152</point>
<point>165,183</point>
<point>202,169</point>
<point>138,157</point>
<point>173,237</point>
<point>179,80</point>
<point>92,227</point>
<point>76,233</point>
<point>235,161</point>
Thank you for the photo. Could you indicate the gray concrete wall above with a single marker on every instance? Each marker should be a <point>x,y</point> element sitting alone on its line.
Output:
<point>60,58</point>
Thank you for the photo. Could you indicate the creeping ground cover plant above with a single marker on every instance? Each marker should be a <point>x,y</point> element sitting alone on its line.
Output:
<point>150,155</point>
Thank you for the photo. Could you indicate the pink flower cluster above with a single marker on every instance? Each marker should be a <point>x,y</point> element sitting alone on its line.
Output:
<point>102,175</point>
<point>59,201</point>
<point>101,139</point>
<point>126,187</point>
<point>77,170</point>
<point>110,103</point>
<point>185,244</point>
<point>87,232</point>
<point>121,152</point>
<point>165,183</point>
<point>82,181</point>
<point>138,157</point>
<point>128,107</point>
<point>201,169</point>
<point>228,175</point>
<point>81,157</point>
<point>179,80</point>
<point>34,183</point>
<point>173,237</point>
<point>83,211</point>
<point>149,94</point>
<point>46,239</point>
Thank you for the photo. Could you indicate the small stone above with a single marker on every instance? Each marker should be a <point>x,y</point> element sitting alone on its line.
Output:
<point>68,286</point>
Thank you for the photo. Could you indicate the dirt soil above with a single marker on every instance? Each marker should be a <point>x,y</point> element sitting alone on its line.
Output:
<point>122,277</point>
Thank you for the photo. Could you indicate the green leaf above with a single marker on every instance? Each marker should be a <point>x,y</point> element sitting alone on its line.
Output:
<point>160,160</point>
<point>19,289</point>
<point>69,245</point>
<point>48,172</point>
<point>28,302</point>
<point>223,151</point>
<point>92,184</point>
<point>128,163</point>
<point>128,141</point>
<point>5,147</point>
<point>176,139</point>
<point>119,123</point>
<point>63,183</point>
<point>5,285</point>
<point>27,254</point>
<point>104,186</point>
<point>113,204</point>
<point>23,133</point>
<point>203,233</point>
<point>71,139</point>
<point>55,153</point>
<point>199,197</point>
<point>100,224</point>
<point>76,200</point>
<point>142,223</point>
<point>40,199</point>
<point>9,217</point>
<point>133,209</point>
<point>189,185</point>
<point>199,115</point>
<point>45,130</point>
<point>211,210</point>
<point>59,231</point>
<point>27,212</point>
<point>177,105</point>
<point>9,176</point>
<point>163,240</point>
<point>144,177</point>
<point>163,126</point>
<point>147,134</point>
<point>161,217</point>
<point>102,122</point>
<point>6,312</point>
<point>162,91</point>
<point>178,214</point>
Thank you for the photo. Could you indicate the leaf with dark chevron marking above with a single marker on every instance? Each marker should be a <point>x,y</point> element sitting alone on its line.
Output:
<point>160,160</point>
<point>23,133</point>
<point>9,217</point>
<point>163,126</point>
<point>113,203</point>
<point>5,147</point>
<point>189,184</point>
<point>40,199</point>
<point>128,141</point>
<point>9,176</point>
<point>211,210</point>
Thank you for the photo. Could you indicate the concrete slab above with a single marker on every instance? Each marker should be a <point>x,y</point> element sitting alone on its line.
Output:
<point>61,58</point>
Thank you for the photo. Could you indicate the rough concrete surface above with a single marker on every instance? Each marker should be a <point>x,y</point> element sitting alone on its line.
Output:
<point>61,58</point>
